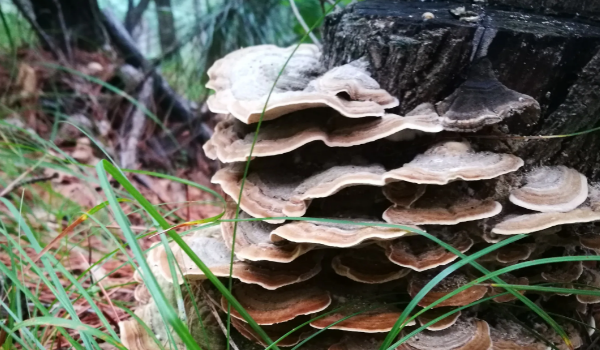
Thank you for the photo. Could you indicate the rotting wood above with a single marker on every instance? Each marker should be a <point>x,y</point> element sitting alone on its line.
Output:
<point>555,60</point>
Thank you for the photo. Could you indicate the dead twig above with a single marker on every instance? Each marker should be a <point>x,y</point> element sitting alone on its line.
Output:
<point>164,95</point>
<point>132,127</point>
<point>215,313</point>
<point>18,183</point>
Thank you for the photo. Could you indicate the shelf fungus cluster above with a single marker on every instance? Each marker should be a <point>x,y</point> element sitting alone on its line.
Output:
<point>367,182</point>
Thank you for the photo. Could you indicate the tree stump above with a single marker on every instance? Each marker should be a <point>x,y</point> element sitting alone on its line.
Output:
<point>556,60</point>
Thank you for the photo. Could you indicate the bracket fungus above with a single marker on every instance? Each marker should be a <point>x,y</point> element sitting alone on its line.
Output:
<point>243,79</point>
<point>465,334</point>
<point>513,253</point>
<point>403,194</point>
<point>362,308</point>
<point>445,287</point>
<point>232,140</point>
<point>590,278</point>
<point>552,189</point>
<point>135,337</point>
<point>420,253</point>
<point>367,265</point>
<point>215,254</point>
<point>334,235</point>
<point>509,279</point>
<point>529,223</point>
<point>252,241</point>
<point>334,188</point>
<point>268,307</point>
<point>275,331</point>
<point>443,205</point>
<point>563,272</point>
<point>442,324</point>
<point>509,335</point>
<point>376,320</point>
<point>270,194</point>
<point>450,161</point>
<point>482,100</point>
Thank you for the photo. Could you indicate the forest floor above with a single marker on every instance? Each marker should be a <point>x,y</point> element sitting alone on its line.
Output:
<point>57,124</point>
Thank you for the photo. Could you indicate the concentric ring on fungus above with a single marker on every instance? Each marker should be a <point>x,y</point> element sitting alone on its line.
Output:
<point>243,79</point>
<point>450,161</point>
<point>446,286</point>
<point>276,306</point>
<point>552,189</point>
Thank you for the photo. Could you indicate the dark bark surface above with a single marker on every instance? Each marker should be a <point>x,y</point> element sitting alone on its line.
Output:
<point>71,22</point>
<point>554,59</point>
<point>166,25</point>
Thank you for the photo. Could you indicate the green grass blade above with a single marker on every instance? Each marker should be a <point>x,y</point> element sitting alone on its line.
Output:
<point>404,317</point>
<point>104,166</point>
<point>548,289</point>
<point>78,326</point>
<point>249,159</point>
<point>167,312</point>
<point>59,291</point>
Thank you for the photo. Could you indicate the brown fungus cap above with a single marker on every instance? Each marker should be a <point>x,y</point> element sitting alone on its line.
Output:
<point>403,194</point>
<point>274,332</point>
<point>529,223</point>
<point>442,324</point>
<point>552,189</point>
<point>252,241</point>
<point>509,335</point>
<point>564,272</point>
<point>591,241</point>
<point>464,335</point>
<point>482,100</point>
<point>334,234</point>
<point>275,306</point>
<point>135,337</point>
<point>367,265</point>
<point>377,320</point>
<point>420,253</point>
<point>269,192</point>
<point>589,211</point>
<point>450,161</point>
<point>232,140</point>
<point>243,79</point>
<point>446,286</point>
<point>443,205</point>
<point>215,254</point>
<point>508,279</point>
<point>141,294</point>
<point>515,252</point>
<point>591,278</point>
<point>376,305</point>
<point>550,335</point>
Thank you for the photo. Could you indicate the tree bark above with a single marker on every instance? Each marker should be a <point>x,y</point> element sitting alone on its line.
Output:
<point>166,25</point>
<point>556,60</point>
<point>134,14</point>
<point>70,23</point>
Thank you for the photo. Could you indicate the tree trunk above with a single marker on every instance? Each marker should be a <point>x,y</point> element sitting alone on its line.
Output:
<point>554,60</point>
<point>166,25</point>
<point>70,23</point>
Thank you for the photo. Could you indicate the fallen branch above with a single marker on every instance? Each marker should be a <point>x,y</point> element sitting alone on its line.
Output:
<point>164,95</point>
<point>132,127</point>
